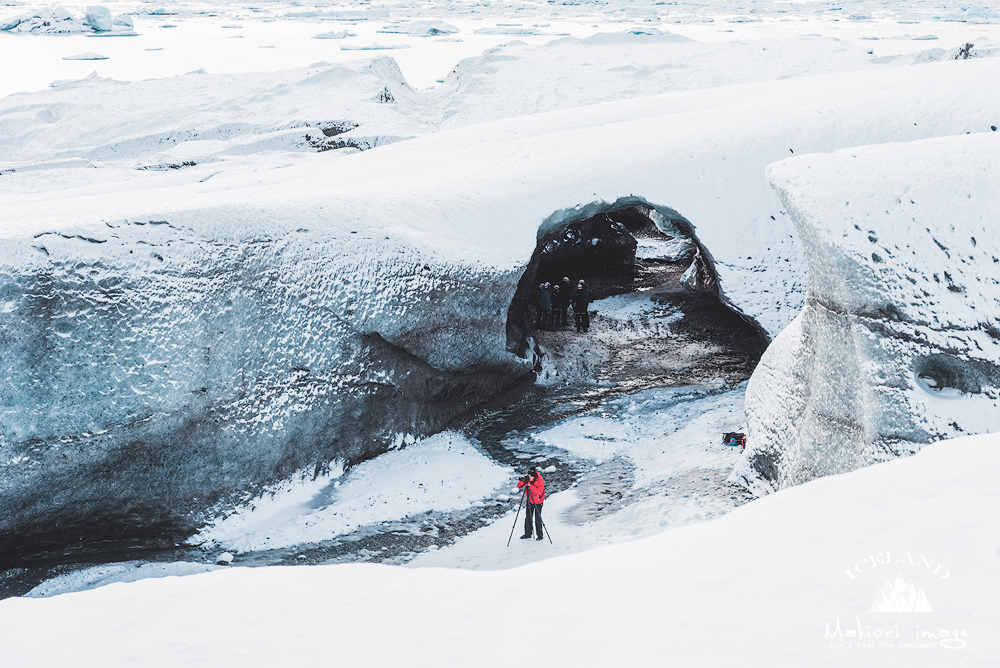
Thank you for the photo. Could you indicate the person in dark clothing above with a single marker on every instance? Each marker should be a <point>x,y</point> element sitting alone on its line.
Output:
<point>544,306</point>
<point>535,497</point>
<point>581,304</point>
<point>558,302</point>
<point>567,295</point>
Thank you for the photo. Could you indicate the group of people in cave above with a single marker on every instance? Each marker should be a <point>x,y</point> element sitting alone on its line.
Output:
<point>554,300</point>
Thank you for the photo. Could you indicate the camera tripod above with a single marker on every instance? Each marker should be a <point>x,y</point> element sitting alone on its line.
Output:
<point>527,492</point>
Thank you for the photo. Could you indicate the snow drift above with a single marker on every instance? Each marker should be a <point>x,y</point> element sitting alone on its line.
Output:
<point>898,341</point>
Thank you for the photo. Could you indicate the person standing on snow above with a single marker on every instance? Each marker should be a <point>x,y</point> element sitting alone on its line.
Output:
<point>581,302</point>
<point>567,295</point>
<point>558,302</point>
<point>544,306</point>
<point>535,496</point>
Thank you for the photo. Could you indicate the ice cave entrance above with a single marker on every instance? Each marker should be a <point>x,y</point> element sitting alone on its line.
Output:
<point>658,316</point>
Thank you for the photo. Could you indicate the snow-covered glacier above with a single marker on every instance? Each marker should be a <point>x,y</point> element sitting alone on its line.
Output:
<point>898,343</point>
<point>173,340</point>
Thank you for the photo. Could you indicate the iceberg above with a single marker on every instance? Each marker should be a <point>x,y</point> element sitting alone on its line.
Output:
<point>99,18</point>
<point>50,20</point>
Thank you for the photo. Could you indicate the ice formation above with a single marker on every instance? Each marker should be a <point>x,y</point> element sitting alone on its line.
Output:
<point>335,34</point>
<point>48,20</point>
<point>428,28</point>
<point>898,341</point>
<point>247,306</point>
<point>99,18</point>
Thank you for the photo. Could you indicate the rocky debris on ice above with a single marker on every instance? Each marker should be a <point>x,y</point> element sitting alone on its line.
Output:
<point>46,20</point>
<point>224,559</point>
<point>898,341</point>
<point>99,18</point>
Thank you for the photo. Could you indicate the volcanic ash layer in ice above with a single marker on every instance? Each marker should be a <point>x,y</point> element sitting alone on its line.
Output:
<point>898,342</point>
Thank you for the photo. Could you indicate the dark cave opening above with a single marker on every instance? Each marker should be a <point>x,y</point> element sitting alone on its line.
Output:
<point>626,247</point>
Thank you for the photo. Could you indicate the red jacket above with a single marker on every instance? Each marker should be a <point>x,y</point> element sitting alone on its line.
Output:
<point>536,490</point>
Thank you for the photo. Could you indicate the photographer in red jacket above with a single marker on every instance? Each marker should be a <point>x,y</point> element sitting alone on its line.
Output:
<point>535,497</point>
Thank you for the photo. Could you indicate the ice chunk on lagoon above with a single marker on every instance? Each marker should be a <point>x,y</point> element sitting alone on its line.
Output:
<point>335,34</point>
<point>428,28</point>
<point>86,56</point>
<point>374,47</point>
<point>50,20</point>
<point>99,18</point>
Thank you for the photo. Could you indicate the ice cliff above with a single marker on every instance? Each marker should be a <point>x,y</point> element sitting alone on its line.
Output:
<point>899,340</point>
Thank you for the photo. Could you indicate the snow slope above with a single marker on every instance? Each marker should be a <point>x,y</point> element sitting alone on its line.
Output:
<point>441,473</point>
<point>789,580</point>
<point>898,340</point>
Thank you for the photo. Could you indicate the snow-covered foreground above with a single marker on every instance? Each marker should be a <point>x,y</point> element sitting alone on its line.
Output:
<point>816,575</point>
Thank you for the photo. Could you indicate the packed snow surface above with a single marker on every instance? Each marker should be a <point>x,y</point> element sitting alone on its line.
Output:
<point>817,574</point>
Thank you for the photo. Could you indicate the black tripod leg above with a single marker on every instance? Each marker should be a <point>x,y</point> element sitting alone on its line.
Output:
<point>520,503</point>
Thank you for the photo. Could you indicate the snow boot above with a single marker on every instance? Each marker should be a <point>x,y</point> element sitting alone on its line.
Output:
<point>526,536</point>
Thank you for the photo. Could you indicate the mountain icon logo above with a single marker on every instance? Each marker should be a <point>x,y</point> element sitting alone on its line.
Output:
<point>900,596</point>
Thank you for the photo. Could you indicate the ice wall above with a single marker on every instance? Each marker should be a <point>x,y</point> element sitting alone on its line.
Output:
<point>150,371</point>
<point>898,343</point>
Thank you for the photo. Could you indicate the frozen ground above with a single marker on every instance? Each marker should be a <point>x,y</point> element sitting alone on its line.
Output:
<point>646,463</point>
<point>792,579</point>
<point>657,463</point>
